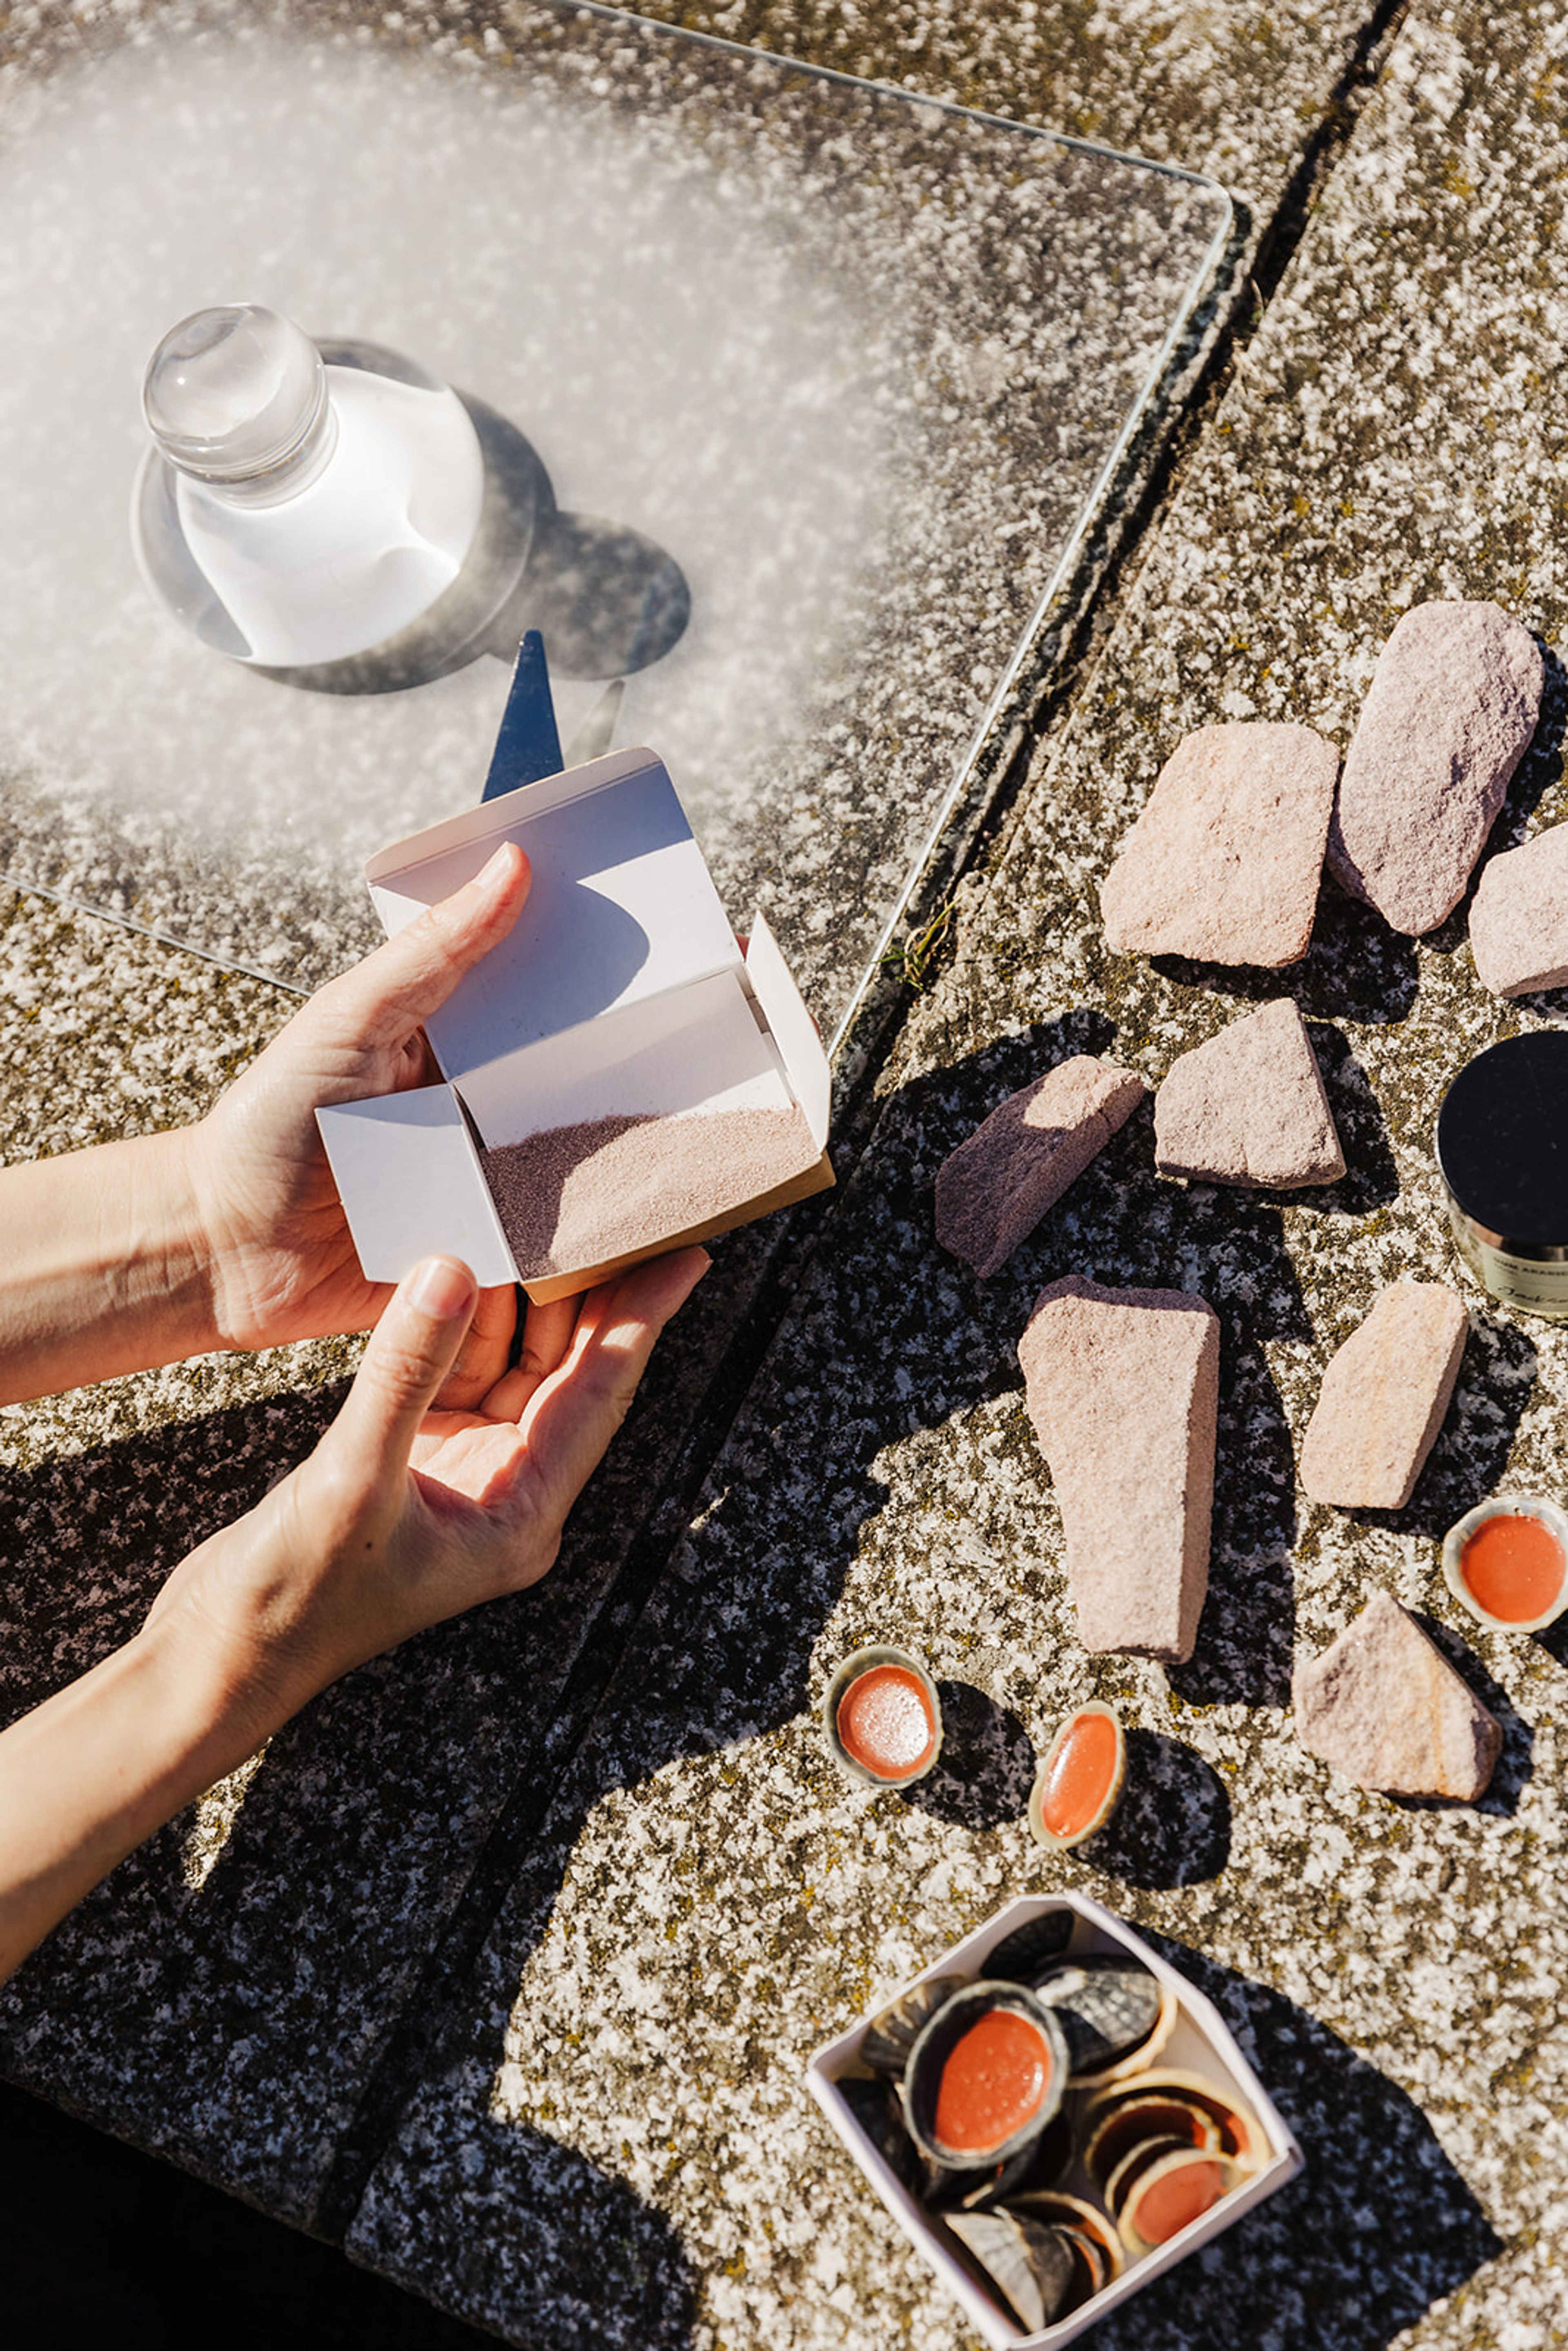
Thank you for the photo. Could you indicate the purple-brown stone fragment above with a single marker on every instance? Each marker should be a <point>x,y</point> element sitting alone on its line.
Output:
<point>1224,861</point>
<point>1519,917</point>
<point>1451,708</point>
<point>1249,1107</point>
<point>1383,1399</point>
<point>994,1189</point>
<point>1384,1706</point>
<point>1123,1387</point>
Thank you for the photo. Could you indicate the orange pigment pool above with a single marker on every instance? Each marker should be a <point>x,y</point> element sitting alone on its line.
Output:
<point>1079,1775</point>
<point>995,2081</point>
<point>1169,2202</point>
<point>1512,1566</point>
<point>885,1723</point>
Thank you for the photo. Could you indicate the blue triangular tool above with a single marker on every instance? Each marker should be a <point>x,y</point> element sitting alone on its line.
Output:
<point>528,746</point>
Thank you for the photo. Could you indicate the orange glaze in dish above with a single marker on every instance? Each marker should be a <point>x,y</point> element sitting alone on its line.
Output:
<point>1174,2199</point>
<point>884,1722</point>
<point>1513,1567</point>
<point>1079,1775</point>
<point>995,2081</point>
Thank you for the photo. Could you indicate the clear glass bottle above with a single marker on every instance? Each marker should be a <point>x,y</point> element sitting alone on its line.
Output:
<point>295,510</point>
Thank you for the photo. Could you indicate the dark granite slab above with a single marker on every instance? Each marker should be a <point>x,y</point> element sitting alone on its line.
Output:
<point>707,1900</point>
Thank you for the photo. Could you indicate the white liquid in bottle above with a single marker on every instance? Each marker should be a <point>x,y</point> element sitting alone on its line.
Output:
<point>292,512</point>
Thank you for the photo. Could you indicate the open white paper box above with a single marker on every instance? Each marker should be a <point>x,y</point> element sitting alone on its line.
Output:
<point>1200,2044</point>
<point>621,991</point>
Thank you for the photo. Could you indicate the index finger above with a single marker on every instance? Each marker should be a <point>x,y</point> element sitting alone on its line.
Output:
<point>571,1416</point>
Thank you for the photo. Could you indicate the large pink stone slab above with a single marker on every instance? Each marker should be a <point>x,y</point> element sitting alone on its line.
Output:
<point>1384,1706</point>
<point>1123,1386</point>
<point>1519,917</point>
<point>1383,1399</point>
<point>1224,861</point>
<point>995,1189</point>
<point>1249,1107</point>
<point>1452,705</point>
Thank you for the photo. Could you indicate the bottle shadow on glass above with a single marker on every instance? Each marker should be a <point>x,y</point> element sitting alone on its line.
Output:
<point>986,1768</point>
<point>1172,1827</point>
<point>607,600</point>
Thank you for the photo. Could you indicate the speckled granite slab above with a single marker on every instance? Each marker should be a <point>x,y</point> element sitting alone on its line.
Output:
<point>234,1995</point>
<point>706,1901</point>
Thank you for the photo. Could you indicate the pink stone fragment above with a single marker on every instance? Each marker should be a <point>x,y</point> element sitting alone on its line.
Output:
<point>1123,1386</point>
<point>1384,1706</point>
<point>1383,1399</point>
<point>1519,917</point>
<point>995,1189</point>
<point>1224,861</point>
<point>1249,1107</point>
<point>1451,708</point>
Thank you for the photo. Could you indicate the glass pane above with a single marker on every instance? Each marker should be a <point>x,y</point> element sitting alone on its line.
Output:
<point>849,365</point>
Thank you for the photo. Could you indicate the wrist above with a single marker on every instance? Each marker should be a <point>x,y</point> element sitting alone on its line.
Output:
<point>108,1268</point>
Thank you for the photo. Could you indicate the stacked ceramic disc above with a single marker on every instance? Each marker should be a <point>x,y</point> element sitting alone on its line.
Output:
<point>1026,2112</point>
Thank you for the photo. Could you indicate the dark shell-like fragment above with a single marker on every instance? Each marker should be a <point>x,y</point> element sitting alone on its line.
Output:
<point>875,2108</point>
<point>1128,2123</point>
<point>1037,2166</point>
<point>928,2059</point>
<point>1025,1954</point>
<point>1055,2209</point>
<point>1138,2159</point>
<point>890,2036</point>
<point>1106,2008</point>
<point>1033,2269</point>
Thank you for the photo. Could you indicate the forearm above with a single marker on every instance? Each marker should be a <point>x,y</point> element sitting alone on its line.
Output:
<point>95,1769</point>
<point>104,1269</point>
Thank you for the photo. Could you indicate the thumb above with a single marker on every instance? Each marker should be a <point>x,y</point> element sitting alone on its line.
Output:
<point>411,1351</point>
<point>404,982</point>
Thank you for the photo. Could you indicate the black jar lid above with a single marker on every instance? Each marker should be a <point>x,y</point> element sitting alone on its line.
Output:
<point>1502,1140</point>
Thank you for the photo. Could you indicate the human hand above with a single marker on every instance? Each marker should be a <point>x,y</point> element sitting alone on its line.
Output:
<point>404,1515</point>
<point>278,1255</point>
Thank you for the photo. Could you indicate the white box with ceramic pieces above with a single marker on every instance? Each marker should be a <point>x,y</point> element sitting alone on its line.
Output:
<point>620,1030</point>
<point>1196,2044</point>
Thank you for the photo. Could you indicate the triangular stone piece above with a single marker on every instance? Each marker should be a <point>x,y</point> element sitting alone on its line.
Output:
<point>994,1189</point>
<point>1249,1107</point>
<point>1123,1387</point>
<point>1384,1706</point>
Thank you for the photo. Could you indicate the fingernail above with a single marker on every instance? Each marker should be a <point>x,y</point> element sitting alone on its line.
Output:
<point>500,860</point>
<point>442,1289</point>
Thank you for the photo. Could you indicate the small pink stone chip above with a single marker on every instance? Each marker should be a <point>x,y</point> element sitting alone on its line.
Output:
<point>994,1189</point>
<point>1519,918</point>
<point>1223,863</point>
<point>1384,1397</point>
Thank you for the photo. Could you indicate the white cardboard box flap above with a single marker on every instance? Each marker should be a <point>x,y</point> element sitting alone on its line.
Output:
<point>697,1048</point>
<point>412,1187</point>
<point>622,904</point>
<point>794,1031</point>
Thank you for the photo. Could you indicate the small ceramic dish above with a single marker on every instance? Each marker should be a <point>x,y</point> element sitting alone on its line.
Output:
<point>1080,1777</point>
<point>882,1719</point>
<point>1509,1585</point>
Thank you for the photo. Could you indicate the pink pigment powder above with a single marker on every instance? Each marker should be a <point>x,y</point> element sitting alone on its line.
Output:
<point>576,1195</point>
